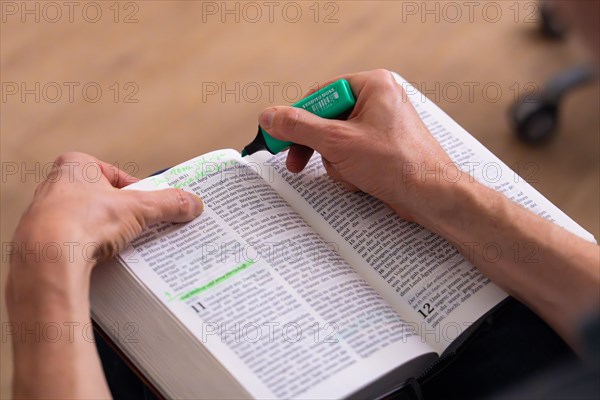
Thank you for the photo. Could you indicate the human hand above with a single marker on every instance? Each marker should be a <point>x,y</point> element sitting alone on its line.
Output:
<point>80,204</point>
<point>78,217</point>
<point>376,150</point>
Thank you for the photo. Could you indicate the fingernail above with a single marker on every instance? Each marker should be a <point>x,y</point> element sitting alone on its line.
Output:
<point>197,205</point>
<point>266,118</point>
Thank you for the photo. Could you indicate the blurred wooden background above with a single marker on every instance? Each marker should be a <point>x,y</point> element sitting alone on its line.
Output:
<point>158,65</point>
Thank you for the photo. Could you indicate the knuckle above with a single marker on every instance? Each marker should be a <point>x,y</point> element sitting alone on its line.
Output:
<point>69,165</point>
<point>381,73</point>
<point>68,156</point>
<point>384,80</point>
<point>183,202</point>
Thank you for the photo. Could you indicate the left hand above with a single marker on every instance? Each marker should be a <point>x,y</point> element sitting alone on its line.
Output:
<point>80,211</point>
<point>78,216</point>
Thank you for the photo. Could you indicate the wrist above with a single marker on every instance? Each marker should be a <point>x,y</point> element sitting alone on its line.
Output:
<point>51,241</point>
<point>448,206</point>
<point>34,285</point>
<point>44,272</point>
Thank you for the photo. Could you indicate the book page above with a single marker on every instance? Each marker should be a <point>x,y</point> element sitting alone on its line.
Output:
<point>422,275</point>
<point>476,160</point>
<point>268,296</point>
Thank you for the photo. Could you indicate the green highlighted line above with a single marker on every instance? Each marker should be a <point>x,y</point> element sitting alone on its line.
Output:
<point>216,281</point>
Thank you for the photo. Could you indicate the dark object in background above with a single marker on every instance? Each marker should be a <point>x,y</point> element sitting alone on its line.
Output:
<point>535,116</point>
<point>552,27</point>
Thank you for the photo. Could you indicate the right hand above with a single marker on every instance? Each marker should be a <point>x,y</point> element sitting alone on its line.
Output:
<point>381,149</point>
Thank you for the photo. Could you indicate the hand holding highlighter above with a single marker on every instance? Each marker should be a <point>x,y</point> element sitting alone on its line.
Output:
<point>330,102</point>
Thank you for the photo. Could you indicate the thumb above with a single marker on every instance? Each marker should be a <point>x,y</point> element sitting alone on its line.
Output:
<point>298,126</point>
<point>168,205</point>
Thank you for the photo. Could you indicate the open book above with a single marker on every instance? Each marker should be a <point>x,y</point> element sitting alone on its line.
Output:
<point>288,286</point>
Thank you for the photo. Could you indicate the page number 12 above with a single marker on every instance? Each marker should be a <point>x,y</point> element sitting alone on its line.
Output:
<point>426,310</point>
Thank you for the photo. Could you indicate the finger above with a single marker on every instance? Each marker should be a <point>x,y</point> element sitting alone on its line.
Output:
<point>298,157</point>
<point>168,205</point>
<point>117,177</point>
<point>299,126</point>
<point>320,85</point>
<point>357,81</point>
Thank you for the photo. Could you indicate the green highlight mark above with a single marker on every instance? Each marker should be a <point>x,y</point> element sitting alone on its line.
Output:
<point>184,175</point>
<point>216,281</point>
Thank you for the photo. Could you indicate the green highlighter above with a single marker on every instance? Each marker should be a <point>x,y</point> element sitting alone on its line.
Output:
<point>330,102</point>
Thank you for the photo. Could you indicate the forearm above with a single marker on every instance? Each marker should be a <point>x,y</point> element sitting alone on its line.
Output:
<point>72,223</point>
<point>384,149</point>
<point>551,270</point>
<point>54,351</point>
